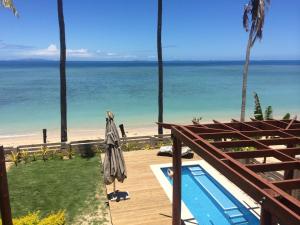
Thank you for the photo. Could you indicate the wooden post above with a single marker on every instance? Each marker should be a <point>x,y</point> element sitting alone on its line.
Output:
<point>289,174</point>
<point>266,217</point>
<point>44,136</point>
<point>176,209</point>
<point>4,195</point>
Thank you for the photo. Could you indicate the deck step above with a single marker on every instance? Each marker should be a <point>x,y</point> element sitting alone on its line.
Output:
<point>194,168</point>
<point>198,173</point>
<point>233,213</point>
<point>217,195</point>
<point>238,220</point>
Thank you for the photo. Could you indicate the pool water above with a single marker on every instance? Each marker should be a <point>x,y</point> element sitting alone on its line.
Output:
<point>209,202</point>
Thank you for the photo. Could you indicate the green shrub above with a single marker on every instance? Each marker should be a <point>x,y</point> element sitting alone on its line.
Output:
<point>54,219</point>
<point>45,151</point>
<point>34,219</point>
<point>25,156</point>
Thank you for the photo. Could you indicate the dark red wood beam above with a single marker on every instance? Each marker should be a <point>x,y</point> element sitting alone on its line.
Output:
<point>4,194</point>
<point>264,167</point>
<point>260,153</point>
<point>176,206</point>
<point>281,141</point>
<point>288,184</point>
<point>251,183</point>
<point>235,144</point>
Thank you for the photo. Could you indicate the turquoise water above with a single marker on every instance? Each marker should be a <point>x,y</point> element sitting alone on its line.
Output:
<point>209,202</point>
<point>29,92</point>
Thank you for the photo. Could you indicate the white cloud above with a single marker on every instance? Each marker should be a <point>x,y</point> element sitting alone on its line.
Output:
<point>111,54</point>
<point>53,51</point>
<point>79,53</point>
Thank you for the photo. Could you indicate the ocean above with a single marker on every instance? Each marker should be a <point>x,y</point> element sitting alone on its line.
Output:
<point>29,92</point>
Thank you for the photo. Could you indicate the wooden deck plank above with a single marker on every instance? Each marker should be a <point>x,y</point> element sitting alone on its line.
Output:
<point>148,203</point>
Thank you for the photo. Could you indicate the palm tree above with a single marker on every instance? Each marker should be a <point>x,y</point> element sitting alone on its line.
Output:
<point>63,86</point>
<point>255,9</point>
<point>160,67</point>
<point>10,5</point>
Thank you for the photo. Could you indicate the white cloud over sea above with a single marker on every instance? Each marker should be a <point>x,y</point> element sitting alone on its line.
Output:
<point>52,52</point>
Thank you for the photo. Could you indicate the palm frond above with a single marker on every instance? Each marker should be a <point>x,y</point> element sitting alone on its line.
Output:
<point>258,114</point>
<point>269,113</point>
<point>256,10</point>
<point>247,10</point>
<point>10,5</point>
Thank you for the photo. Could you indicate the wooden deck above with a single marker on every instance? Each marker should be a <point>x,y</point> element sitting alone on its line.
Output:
<point>148,203</point>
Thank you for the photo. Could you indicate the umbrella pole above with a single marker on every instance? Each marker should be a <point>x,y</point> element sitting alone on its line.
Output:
<point>114,187</point>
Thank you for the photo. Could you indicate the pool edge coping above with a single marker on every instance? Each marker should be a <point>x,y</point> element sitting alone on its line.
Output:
<point>233,189</point>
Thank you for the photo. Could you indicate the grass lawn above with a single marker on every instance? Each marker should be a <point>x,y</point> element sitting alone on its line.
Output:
<point>75,185</point>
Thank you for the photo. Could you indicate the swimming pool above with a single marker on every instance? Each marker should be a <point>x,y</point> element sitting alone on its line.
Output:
<point>208,201</point>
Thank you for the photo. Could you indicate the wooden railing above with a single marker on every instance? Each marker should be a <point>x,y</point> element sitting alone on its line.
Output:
<point>138,142</point>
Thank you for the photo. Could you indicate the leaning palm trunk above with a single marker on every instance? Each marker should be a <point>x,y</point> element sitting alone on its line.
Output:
<point>245,78</point>
<point>160,67</point>
<point>255,9</point>
<point>63,85</point>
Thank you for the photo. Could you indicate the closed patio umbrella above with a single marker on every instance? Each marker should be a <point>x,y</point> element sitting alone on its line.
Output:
<point>114,164</point>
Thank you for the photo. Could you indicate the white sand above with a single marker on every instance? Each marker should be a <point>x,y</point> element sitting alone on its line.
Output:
<point>84,134</point>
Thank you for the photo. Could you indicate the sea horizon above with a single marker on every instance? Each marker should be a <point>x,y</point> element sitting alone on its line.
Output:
<point>209,89</point>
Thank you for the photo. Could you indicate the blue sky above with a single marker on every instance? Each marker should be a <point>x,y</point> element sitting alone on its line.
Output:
<point>126,30</point>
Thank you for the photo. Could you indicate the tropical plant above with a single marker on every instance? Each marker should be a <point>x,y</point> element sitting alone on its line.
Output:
<point>63,83</point>
<point>34,156</point>
<point>44,150</point>
<point>255,9</point>
<point>258,113</point>
<point>70,152</point>
<point>25,156</point>
<point>160,67</point>
<point>196,120</point>
<point>15,157</point>
<point>10,5</point>
<point>269,113</point>
<point>287,116</point>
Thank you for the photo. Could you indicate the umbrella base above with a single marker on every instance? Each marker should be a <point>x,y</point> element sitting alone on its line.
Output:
<point>118,196</point>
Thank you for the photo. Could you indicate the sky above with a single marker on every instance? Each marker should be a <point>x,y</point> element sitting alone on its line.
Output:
<point>126,30</point>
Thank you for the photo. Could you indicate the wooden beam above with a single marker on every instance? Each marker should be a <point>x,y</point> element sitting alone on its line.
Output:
<point>264,167</point>
<point>176,207</point>
<point>248,181</point>
<point>4,194</point>
<point>235,144</point>
<point>280,141</point>
<point>288,184</point>
<point>265,217</point>
<point>260,153</point>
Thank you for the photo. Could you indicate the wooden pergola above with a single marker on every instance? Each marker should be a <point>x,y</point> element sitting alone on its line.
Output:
<point>222,145</point>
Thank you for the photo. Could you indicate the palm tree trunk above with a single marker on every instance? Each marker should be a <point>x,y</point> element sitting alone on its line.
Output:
<point>160,67</point>
<point>245,77</point>
<point>63,85</point>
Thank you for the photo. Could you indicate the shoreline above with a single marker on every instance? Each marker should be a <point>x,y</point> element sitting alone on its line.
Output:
<point>77,134</point>
<point>91,133</point>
